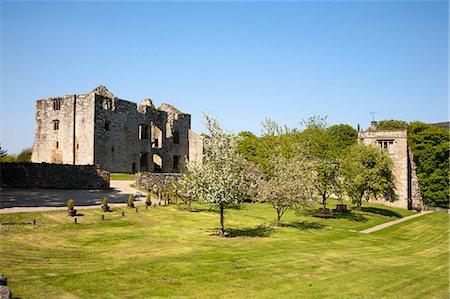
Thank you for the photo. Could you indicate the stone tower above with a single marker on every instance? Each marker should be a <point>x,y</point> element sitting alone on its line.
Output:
<point>395,142</point>
<point>119,136</point>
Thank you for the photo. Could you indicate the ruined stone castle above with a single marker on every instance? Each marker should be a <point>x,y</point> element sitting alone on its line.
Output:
<point>396,145</point>
<point>119,136</point>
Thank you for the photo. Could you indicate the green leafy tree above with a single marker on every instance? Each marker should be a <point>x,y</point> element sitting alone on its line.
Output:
<point>247,146</point>
<point>367,173</point>
<point>3,152</point>
<point>25,155</point>
<point>430,147</point>
<point>4,157</point>
<point>322,156</point>
<point>342,137</point>
<point>217,181</point>
<point>290,185</point>
<point>326,146</point>
<point>388,125</point>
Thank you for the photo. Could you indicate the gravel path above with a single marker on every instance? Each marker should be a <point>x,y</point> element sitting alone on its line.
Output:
<point>390,223</point>
<point>33,200</point>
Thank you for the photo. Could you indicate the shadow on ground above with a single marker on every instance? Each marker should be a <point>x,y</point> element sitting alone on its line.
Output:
<point>252,232</point>
<point>383,212</point>
<point>350,216</point>
<point>11,197</point>
<point>303,225</point>
<point>207,210</point>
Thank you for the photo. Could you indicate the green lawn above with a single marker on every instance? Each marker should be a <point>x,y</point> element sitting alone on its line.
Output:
<point>168,252</point>
<point>122,177</point>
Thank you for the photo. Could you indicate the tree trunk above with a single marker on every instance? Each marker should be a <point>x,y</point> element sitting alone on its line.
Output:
<point>359,205</point>
<point>324,200</point>
<point>278,218</point>
<point>189,205</point>
<point>222,228</point>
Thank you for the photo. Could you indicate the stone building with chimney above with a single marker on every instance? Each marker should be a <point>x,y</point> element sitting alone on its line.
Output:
<point>118,135</point>
<point>395,142</point>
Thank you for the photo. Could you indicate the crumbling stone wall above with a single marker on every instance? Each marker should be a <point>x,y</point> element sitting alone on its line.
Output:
<point>120,136</point>
<point>416,198</point>
<point>52,176</point>
<point>71,141</point>
<point>145,179</point>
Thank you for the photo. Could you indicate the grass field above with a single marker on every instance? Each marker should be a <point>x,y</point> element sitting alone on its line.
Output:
<point>168,252</point>
<point>122,176</point>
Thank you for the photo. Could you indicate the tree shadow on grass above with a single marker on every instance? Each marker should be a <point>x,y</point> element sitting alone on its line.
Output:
<point>350,216</point>
<point>379,211</point>
<point>303,225</point>
<point>207,210</point>
<point>252,232</point>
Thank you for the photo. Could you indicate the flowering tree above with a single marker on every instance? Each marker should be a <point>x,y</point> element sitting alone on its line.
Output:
<point>290,185</point>
<point>219,181</point>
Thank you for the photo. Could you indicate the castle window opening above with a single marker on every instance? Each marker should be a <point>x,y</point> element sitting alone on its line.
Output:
<point>107,125</point>
<point>112,149</point>
<point>388,145</point>
<point>143,132</point>
<point>107,104</point>
<point>57,144</point>
<point>176,163</point>
<point>176,137</point>
<point>144,162</point>
<point>78,146</point>
<point>156,137</point>
<point>56,124</point>
<point>56,104</point>
<point>157,163</point>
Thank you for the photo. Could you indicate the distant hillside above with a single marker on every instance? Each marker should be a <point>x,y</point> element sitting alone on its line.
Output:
<point>445,125</point>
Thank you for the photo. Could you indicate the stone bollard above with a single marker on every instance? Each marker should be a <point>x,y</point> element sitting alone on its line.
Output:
<point>5,293</point>
<point>75,220</point>
<point>103,217</point>
<point>123,213</point>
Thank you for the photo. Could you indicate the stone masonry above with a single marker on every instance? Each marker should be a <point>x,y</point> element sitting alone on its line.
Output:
<point>119,136</point>
<point>396,144</point>
<point>52,176</point>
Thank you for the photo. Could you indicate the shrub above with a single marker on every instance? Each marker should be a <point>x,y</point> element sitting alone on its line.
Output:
<point>70,204</point>
<point>105,201</point>
<point>130,200</point>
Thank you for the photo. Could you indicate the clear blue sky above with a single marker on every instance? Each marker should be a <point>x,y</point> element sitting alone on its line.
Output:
<point>238,61</point>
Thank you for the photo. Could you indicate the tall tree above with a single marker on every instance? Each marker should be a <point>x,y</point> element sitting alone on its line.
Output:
<point>392,124</point>
<point>367,171</point>
<point>342,137</point>
<point>326,146</point>
<point>25,155</point>
<point>247,146</point>
<point>3,152</point>
<point>290,185</point>
<point>217,181</point>
<point>430,146</point>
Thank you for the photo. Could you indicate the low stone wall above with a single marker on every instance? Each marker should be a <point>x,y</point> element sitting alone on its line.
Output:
<point>52,176</point>
<point>436,209</point>
<point>144,179</point>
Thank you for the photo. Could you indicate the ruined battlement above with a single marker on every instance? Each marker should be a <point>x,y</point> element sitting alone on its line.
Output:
<point>119,135</point>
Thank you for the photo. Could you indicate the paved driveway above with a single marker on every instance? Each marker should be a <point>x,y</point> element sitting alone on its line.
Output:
<point>16,199</point>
